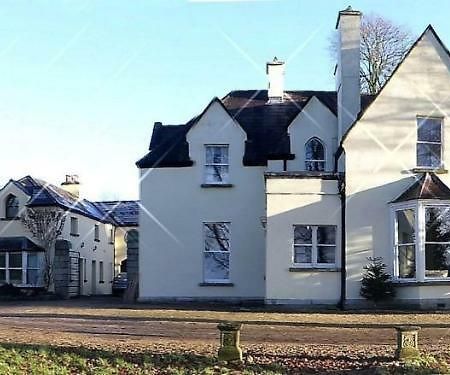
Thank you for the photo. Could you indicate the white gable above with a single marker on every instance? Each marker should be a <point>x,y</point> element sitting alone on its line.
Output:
<point>315,120</point>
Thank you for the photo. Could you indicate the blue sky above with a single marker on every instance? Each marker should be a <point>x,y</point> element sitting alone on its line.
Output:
<point>82,82</point>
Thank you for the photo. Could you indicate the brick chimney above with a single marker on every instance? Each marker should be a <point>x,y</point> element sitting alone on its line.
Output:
<point>348,65</point>
<point>275,72</point>
<point>72,184</point>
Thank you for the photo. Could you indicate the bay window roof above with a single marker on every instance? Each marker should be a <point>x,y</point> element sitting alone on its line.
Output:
<point>427,186</point>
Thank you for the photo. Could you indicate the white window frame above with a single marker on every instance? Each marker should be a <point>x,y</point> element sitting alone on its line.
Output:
<point>441,143</point>
<point>223,182</point>
<point>23,269</point>
<point>217,281</point>
<point>314,247</point>
<point>420,232</point>
<point>324,161</point>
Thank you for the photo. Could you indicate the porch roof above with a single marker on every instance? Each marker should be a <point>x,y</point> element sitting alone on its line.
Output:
<point>19,243</point>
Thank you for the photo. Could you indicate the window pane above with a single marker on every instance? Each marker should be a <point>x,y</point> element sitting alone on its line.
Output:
<point>15,260</point>
<point>15,276</point>
<point>2,276</point>
<point>326,254</point>
<point>429,130</point>
<point>316,166</point>
<point>437,220</point>
<point>217,237</point>
<point>216,173</point>
<point>406,261</point>
<point>428,155</point>
<point>314,150</point>
<point>2,260</point>
<point>302,234</point>
<point>217,266</point>
<point>326,235</point>
<point>33,261</point>
<point>33,277</point>
<point>302,254</point>
<point>405,226</point>
<point>216,155</point>
<point>437,259</point>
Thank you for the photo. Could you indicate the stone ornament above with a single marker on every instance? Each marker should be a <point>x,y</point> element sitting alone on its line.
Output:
<point>229,341</point>
<point>407,342</point>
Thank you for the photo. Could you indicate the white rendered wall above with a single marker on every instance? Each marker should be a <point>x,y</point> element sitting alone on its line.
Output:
<point>315,120</point>
<point>381,152</point>
<point>175,207</point>
<point>292,201</point>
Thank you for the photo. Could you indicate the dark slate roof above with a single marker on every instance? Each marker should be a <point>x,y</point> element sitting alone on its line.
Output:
<point>265,124</point>
<point>123,213</point>
<point>18,243</point>
<point>44,194</point>
<point>427,186</point>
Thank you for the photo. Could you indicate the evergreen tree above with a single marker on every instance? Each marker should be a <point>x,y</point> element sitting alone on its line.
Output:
<point>376,282</point>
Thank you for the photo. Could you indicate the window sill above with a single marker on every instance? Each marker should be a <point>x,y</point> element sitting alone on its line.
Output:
<point>314,269</point>
<point>216,185</point>
<point>434,170</point>
<point>9,218</point>
<point>75,234</point>
<point>401,283</point>
<point>215,284</point>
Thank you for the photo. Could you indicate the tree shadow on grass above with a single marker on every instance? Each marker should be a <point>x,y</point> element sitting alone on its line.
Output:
<point>189,362</point>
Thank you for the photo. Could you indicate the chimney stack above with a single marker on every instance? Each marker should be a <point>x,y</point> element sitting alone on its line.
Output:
<point>348,67</point>
<point>275,71</point>
<point>72,184</point>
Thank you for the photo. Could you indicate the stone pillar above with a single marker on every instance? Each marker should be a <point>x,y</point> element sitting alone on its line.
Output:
<point>132,239</point>
<point>61,268</point>
<point>407,342</point>
<point>229,341</point>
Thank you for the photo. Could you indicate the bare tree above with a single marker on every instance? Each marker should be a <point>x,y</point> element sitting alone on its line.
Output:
<point>46,225</point>
<point>383,46</point>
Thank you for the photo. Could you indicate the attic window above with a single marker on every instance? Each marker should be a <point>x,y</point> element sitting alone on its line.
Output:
<point>12,207</point>
<point>314,155</point>
<point>216,164</point>
<point>429,142</point>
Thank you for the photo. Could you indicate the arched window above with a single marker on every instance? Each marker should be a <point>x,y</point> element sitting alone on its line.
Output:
<point>12,207</point>
<point>314,155</point>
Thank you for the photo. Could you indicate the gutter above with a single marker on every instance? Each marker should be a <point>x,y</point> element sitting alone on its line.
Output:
<point>342,195</point>
<point>341,184</point>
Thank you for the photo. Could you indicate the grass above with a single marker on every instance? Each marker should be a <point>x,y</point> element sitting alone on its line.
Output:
<point>19,359</point>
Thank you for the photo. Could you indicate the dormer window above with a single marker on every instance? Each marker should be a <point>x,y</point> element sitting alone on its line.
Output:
<point>216,164</point>
<point>314,155</point>
<point>429,142</point>
<point>12,207</point>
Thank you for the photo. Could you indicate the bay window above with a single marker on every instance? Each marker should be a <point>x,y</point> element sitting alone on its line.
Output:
<point>20,268</point>
<point>422,241</point>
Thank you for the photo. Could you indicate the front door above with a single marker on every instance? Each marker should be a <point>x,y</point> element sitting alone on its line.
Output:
<point>94,277</point>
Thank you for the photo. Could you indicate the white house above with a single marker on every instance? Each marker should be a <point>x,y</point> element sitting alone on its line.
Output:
<point>90,227</point>
<point>281,196</point>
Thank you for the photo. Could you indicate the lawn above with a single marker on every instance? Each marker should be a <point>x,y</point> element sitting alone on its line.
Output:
<point>19,359</point>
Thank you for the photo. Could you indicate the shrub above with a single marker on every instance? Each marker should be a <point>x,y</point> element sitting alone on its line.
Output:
<point>376,282</point>
<point>9,290</point>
